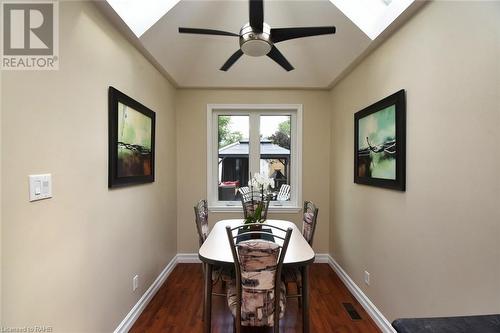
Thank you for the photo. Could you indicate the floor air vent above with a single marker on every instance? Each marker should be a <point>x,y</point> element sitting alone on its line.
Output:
<point>351,311</point>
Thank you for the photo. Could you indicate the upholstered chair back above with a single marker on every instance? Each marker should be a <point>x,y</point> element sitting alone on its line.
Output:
<point>250,203</point>
<point>258,297</point>
<point>309,220</point>
<point>201,220</point>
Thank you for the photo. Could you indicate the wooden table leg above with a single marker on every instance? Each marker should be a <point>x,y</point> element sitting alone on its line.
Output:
<point>305,299</point>
<point>208,299</point>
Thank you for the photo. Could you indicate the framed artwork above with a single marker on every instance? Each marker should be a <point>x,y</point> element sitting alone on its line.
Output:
<point>380,143</point>
<point>131,141</point>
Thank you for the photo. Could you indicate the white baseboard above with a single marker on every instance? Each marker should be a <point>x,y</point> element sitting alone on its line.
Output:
<point>136,311</point>
<point>188,258</point>
<point>377,316</point>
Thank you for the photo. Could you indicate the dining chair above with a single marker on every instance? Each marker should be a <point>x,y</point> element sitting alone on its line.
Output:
<point>249,204</point>
<point>258,296</point>
<point>294,275</point>
<point>284,193</point>
<point>201,219</point>
<point>309,221</point>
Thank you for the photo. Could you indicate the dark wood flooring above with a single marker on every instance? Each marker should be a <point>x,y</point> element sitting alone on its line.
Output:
<point>178,306</point>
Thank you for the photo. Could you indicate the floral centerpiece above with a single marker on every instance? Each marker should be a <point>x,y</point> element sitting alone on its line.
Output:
<point>258,184</point>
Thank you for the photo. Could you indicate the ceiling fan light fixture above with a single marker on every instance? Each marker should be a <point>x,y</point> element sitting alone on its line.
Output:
<point>256,48</point>
<point>254,43</point>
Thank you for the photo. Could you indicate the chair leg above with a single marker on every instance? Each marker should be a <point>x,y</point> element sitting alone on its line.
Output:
<point>237,319</point>
<point>299,291</point>
<point>276,328</point>
<point>203,313</point>
<point>299,298</point>
<point>277,311</point>
<point>238,326</point>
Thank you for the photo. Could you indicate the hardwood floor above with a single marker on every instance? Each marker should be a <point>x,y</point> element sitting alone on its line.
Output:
<point>178,306</point>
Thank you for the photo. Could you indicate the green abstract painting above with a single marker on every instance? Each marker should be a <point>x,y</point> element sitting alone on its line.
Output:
<point>134,142</point>
<point>377,144</point>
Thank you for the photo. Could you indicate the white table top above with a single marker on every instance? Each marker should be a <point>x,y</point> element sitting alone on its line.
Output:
<point>217,251</point>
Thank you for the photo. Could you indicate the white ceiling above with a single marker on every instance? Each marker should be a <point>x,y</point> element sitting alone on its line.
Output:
<point>194,60</point>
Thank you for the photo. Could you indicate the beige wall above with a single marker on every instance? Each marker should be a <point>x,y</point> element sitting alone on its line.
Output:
<point>191,108</point>
<point>68,262</point>
<point>1,202</point>
<point>434,249</point>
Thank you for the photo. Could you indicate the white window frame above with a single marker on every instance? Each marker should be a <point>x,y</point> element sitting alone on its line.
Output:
<point>295,111</point>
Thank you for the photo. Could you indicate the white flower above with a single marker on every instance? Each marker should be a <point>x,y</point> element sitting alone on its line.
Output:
<point>260,181</point>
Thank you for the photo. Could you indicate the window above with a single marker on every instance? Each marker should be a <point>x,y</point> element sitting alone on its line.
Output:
<point>141,15</point>
<point>372,17</point>
<point>248,139</point>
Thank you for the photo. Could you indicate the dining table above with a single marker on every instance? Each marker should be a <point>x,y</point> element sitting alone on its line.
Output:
<point>216,251</point>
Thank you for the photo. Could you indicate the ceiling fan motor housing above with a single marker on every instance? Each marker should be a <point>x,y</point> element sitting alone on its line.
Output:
<point>255,43</point>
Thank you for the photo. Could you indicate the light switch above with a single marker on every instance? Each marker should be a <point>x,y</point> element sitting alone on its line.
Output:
<point>40,186</point>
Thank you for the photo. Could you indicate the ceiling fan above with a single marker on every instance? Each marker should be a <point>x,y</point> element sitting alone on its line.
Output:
<point>258,39</point>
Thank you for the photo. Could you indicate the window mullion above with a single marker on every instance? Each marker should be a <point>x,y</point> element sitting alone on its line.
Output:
<point>254,152</point>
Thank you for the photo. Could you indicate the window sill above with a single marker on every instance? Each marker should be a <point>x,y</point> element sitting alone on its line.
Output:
<point>236,208</point>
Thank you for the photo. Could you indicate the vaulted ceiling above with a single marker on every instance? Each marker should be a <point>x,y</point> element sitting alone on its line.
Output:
<point>194,60</point>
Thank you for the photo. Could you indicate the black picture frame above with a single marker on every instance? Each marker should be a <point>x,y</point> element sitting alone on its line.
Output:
<point>116,177</point>
<point>361,157</point>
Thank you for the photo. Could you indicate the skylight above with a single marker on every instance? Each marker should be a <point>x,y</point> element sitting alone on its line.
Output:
<point>372,16</point>
<point>140,15</point>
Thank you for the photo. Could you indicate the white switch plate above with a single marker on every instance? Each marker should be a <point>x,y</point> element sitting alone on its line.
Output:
<point>40,187</point>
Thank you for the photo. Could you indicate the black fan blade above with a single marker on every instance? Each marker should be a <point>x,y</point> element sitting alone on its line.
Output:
<point>206,32</point>
<point>282,34</point>
<point>256,9</point>
<point>232,59</point>
<point>276,55</point>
